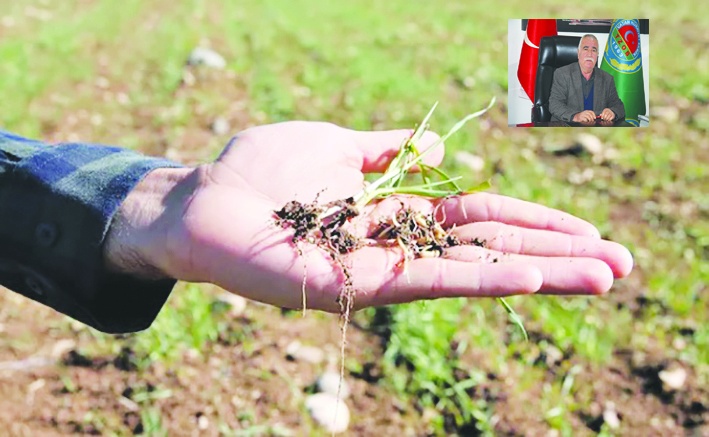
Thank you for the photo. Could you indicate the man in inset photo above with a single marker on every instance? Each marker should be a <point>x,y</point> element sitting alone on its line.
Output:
<point>578,72</point>
<point>582,92</point>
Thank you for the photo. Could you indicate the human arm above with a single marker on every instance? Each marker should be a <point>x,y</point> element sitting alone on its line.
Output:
<point>57,203</point>
<point>215,223</point>
<point>613,103</point>
<point>112,264</point>
<point>559,99</point>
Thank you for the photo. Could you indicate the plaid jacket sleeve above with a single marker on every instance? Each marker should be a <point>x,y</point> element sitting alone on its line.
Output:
<point>56,205</point>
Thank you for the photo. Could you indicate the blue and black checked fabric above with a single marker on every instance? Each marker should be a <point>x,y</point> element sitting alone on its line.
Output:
<point>56,206</point>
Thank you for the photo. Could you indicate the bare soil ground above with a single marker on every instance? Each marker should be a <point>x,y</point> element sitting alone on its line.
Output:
<point>50,386</point>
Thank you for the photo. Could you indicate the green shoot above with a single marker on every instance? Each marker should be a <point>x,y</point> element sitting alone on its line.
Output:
<point>409,156</point>
<point>514,317</point>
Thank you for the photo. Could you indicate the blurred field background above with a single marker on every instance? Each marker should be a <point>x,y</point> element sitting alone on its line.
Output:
<point>634,362</point>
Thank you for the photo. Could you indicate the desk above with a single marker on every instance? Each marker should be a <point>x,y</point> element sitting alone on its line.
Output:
<point>596,123</point>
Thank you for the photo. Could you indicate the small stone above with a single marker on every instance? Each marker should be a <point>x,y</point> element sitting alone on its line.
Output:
<point>669,114</point>
<point>553,355</point>
<point>188,78</point>
<point>679,343</point>
<point>238,402</point>
<point>237,304</point>
<point>122,98</point>
<point>36,385</point>
<point>329,412</point>
<point>62,347</point>
<point>192,354</point>
<point>474,162</point>
<point>33,388</point>
<point>579,178</point>
<point>128,404</point>
<point>673,378</point>
<point>330,382</point>
<point>102,82</point>
<point>202,422</point>
<point>299,352</point>
<point>220,126</point>
<point>610,416</point>
<point>609,154</point>
<point>206,57</point>
<point>591,143</point>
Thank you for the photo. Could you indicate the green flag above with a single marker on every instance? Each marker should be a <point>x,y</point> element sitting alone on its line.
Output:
<point>623,60</point>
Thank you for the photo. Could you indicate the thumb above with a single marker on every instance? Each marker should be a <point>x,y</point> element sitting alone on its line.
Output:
<point>378,148</point>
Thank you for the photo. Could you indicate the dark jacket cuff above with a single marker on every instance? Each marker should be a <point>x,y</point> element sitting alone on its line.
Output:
<point>51,239</point>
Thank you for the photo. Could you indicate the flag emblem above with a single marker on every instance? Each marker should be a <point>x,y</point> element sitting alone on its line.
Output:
<point>623,48</point>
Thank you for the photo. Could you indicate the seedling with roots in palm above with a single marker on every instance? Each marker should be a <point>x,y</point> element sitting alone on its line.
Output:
<point>416,233</point>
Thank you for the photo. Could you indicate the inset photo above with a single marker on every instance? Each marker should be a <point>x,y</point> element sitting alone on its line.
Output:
<point>578,72</point>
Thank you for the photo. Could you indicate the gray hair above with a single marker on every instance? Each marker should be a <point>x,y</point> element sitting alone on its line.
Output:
<point>588,35</point>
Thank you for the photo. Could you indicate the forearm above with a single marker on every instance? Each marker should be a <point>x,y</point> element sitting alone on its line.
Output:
<point>558,99</point>
<point>614,103</point>
<point>136,243</point>
<point>57,205</point>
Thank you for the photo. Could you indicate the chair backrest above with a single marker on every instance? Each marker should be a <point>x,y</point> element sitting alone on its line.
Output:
<point>554,52</point>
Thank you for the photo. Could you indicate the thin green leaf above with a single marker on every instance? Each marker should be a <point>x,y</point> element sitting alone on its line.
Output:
<point>421,128</point>
<point>514,317</point>
<point>456,127</point>
<point>444,175</point>
<point>412,190</point>
<point>482,186</point>
<point>397,170</point>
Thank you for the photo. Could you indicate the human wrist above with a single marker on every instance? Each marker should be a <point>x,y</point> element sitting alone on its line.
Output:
<point>136,240</point>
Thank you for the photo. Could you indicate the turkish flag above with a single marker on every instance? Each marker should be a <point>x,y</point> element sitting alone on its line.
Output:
<point>529,58</point>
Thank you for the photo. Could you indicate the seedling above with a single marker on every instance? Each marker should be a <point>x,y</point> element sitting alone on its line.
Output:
<point>417,234</point>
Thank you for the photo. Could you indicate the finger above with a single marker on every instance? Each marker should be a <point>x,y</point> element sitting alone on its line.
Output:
<point>380,147</point>
<point>380,278</point>
<point>512,239</point>
<point>560,275</point>
<point>485,207</point>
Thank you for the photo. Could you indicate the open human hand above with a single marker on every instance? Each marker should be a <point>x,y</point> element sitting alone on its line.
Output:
<point>215,223</point>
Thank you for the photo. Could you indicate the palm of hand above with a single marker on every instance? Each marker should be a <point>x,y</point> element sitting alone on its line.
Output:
<point>228,224</point>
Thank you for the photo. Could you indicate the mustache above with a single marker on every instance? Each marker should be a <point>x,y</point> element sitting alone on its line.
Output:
<point>588,58</point>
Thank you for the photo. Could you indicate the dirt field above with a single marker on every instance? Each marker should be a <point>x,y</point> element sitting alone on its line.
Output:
<point>631,363</point>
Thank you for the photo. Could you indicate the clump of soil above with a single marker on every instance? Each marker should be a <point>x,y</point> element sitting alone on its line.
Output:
<point>419,235</point>
<point>309,225</point>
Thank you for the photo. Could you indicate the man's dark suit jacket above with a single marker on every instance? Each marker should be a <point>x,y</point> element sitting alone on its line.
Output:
<point>566,98</point>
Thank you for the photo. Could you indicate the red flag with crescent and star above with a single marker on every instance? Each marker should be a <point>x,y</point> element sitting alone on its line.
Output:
<point>529,58</point>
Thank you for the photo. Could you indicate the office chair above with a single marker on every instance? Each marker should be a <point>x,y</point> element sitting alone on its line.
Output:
<point>554,52</point>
